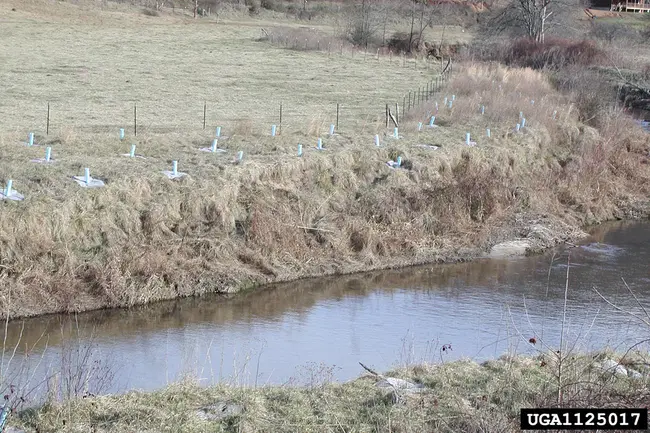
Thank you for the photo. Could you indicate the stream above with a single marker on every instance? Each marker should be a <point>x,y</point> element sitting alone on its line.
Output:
<point>309,331</point>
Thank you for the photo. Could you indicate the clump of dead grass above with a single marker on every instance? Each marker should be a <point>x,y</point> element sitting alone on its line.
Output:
<point>553,53</point>
<point>243,127</point>
<point>317,124</point>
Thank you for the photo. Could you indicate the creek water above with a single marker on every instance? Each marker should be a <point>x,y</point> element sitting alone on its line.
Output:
<point>312,330</point>
<point>643,117</point>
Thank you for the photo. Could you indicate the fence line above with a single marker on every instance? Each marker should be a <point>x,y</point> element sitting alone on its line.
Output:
<point>86,181</point>
<point>346,116</point>
<point>424,93</point>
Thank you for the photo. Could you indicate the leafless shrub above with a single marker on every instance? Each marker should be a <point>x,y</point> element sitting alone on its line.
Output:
<point>314,375</point>
<point>401,42</point>
<point>254,6</point>
<point>83,372</point>
<point>304,39</point>
<point>273,5</point>
<point>591,93</point>
<point>553,53</point>
<point>363,24</point>
<point>611,31</point>
<point>18,383</point>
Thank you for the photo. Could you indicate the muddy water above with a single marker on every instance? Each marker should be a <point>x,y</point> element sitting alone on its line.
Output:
<point>310,330</point>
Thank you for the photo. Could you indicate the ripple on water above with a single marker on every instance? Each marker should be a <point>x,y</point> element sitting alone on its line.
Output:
<point>483,308</point>
<point>598,250</point>
<point>605,255</point>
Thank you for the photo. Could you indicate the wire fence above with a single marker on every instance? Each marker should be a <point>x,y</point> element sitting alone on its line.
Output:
<point>152,116</point>
<point>414,98</point>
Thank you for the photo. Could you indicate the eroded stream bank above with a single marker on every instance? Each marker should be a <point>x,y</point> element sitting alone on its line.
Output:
<point>321,328</point>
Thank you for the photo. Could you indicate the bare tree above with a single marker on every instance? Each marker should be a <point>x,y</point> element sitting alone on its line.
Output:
<point>424,16</point>
<point>536,19</point>
<point>387,10</point>
<point>410,45</point>
<point>530,17</point>
<point>534,15</point>
<point>364,23</point>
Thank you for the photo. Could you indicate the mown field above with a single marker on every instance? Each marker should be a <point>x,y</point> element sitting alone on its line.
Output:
<point>92,74</point>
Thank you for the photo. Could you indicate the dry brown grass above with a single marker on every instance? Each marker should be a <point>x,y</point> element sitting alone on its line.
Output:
<point>306,38</point>
<point>276,216</point>
<point>590,166</point>
<point>279,217</point>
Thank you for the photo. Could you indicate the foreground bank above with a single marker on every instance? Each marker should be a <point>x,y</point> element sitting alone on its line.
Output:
<point>458,396</point>
<point>278,217</point>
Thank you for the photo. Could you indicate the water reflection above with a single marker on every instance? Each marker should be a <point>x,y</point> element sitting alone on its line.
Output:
<point>482,309</point>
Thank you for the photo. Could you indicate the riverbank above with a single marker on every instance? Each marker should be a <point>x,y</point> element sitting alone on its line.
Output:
<point>278,217</point>
<point>457,396</point>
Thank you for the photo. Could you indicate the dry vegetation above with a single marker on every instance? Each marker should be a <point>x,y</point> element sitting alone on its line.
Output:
<point>227,227</point>
<point>276,216</point>
<point>459,396</point>
<point>280,217</point>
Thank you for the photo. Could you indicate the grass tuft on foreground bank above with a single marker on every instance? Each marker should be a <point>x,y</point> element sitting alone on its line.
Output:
<point>458,396</point>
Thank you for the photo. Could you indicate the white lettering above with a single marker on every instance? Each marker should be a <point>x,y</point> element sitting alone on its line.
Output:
<point>533,418</point>
<point>613,419</point>
<point>555,420</point>
<point>578,421</point>
<point>544,419</point>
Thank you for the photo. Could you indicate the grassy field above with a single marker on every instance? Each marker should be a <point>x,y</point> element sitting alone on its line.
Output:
<point>227,227</point>
<point>459,396</point>
<point>92,74</point>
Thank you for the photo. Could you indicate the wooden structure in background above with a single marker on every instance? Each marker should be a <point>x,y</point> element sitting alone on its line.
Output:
<point>640,6</point>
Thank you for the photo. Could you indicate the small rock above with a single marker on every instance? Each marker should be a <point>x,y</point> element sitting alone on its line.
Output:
<point>13,430</point>
<point>614,367</point>
<point>509,249</point>
<point>634,374</point>
<point>400,384</point>
<point>219,411</point>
